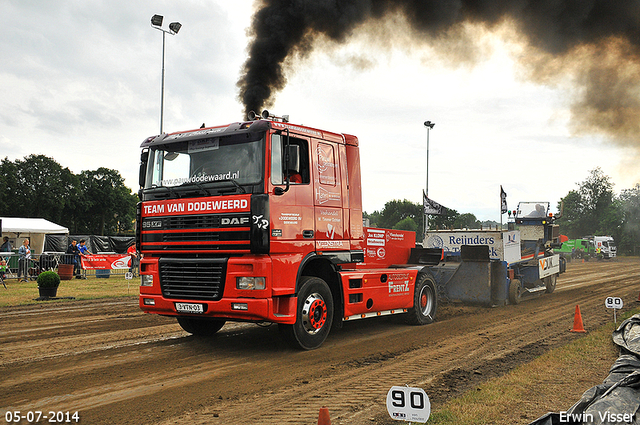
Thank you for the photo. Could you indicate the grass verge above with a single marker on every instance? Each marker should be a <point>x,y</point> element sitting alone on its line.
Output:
<point>22,293</point>
<point>551,383</point>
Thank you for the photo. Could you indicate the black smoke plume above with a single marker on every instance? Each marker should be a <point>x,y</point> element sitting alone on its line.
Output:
<point>596,42</point>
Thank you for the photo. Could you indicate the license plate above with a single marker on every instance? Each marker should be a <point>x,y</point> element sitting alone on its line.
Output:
<point>189,308</point>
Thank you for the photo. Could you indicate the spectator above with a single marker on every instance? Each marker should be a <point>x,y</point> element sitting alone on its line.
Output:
<point>5,247</point>
<point>84,251</point>
<point>23,263</point>
<point>73,255</point>
<point>134,259</point>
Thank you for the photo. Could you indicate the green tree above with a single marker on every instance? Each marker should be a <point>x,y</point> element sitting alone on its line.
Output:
<point>629,240</point>
<point>592,209</point>
<point>444,221</point>
<point>406,223</point>
<point>466,221</point>
<point>374,218</point>
<point>38,187</point>
<point>570,222</point>
<point>396,211</point>
<point>108,205</point>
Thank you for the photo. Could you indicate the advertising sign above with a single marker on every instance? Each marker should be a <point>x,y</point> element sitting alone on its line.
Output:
<point>503,246</point>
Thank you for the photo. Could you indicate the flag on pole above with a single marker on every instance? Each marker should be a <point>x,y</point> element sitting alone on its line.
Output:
<point>431,206</point>
<point>503,199</point>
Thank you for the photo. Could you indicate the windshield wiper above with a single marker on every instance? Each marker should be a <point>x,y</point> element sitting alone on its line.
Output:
<point>235,183</point>
<point>171,191</point>
<point>199,185</point>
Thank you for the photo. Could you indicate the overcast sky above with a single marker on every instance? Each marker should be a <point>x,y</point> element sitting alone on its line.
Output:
<point>80,82</point>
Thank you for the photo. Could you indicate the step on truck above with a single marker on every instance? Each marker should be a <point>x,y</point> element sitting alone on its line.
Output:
<point>261,221</point>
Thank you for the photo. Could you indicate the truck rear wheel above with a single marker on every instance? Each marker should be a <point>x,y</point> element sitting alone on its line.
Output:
<point>425,301</point>
<point>314,315</point>
<point>550,283</point>
<point>515,291</point>
<point>201,327</point>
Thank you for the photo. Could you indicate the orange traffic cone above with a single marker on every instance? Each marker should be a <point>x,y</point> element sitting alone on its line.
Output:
<point>323,416</point>
<point>577,321</point>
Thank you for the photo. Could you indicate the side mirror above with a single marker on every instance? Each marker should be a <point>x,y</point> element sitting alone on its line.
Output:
<point>144,158</point>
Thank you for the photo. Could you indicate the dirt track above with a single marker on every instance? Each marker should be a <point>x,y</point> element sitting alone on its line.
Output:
<point>116,365</point>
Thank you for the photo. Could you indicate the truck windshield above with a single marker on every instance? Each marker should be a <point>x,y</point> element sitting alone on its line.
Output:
<point>206,163</point>
<point>532,209</point>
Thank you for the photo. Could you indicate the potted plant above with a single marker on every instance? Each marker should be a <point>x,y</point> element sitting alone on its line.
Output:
<point>48,283</point>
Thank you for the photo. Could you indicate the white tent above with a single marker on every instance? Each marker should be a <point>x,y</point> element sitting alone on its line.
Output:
<point>34,229</point>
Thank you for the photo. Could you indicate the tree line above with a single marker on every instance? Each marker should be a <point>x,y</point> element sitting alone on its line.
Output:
<point>94,202</point>
<point>407,215</point>
<point>593,209</point>
<point>97,202</point>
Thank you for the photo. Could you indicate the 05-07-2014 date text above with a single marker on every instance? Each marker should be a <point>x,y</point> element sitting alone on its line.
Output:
<point>37,416</point>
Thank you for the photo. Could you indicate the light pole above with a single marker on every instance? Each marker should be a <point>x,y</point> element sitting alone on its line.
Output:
<point>429,125</point>
<point>174,27</point>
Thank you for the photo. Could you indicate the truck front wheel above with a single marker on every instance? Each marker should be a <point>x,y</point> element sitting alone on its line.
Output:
<point>201,327</point>
<point>314,315</point>
<point>425,302</point>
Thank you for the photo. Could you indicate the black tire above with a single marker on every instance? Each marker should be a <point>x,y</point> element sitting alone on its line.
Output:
<point>314,315</point>
<point>514,291</point>
<point>425,301</point>
<point>550,283</point>
<point>201,327</point>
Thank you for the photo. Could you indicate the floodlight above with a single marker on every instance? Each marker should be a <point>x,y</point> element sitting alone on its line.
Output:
<point>156,20</point>
<point>175,27</point>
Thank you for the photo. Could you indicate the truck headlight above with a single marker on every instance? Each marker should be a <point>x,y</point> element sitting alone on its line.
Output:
<point>146,280</point>
<point>247,282</point>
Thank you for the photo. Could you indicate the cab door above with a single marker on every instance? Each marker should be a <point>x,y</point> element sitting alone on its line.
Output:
<point>327,196</point>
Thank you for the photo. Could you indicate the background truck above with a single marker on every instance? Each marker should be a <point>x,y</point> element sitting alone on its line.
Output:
<point>588,247</point>
<point>495,267</point>
<point>605,247</point>
<point>261,221</point>
<point>576,249</point>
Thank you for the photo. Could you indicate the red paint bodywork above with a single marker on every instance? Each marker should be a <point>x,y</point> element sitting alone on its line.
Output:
<point>329,206</point>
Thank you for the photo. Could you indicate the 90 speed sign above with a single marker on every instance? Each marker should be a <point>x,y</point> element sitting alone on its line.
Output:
<point>408,404</point>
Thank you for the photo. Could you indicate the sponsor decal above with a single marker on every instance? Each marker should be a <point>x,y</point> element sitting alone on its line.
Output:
<point>204,145</point>
<point>204,205</point>
<point>323,195</point>
<point>435,241</point>
<point>196,133</point>
<point>393,236</point>
<point>297,129</point>
<point>471,240</point>
<point>289,218</point>
<point>260,222</point>
<point>333,244</point>
<point>398,284</point>
<point>376,237</point>
<point>202,178</point>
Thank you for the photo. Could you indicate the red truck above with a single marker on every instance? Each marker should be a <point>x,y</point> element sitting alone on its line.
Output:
<point>261,221</point>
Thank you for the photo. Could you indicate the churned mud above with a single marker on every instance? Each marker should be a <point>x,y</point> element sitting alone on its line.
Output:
<point>111,363</point>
